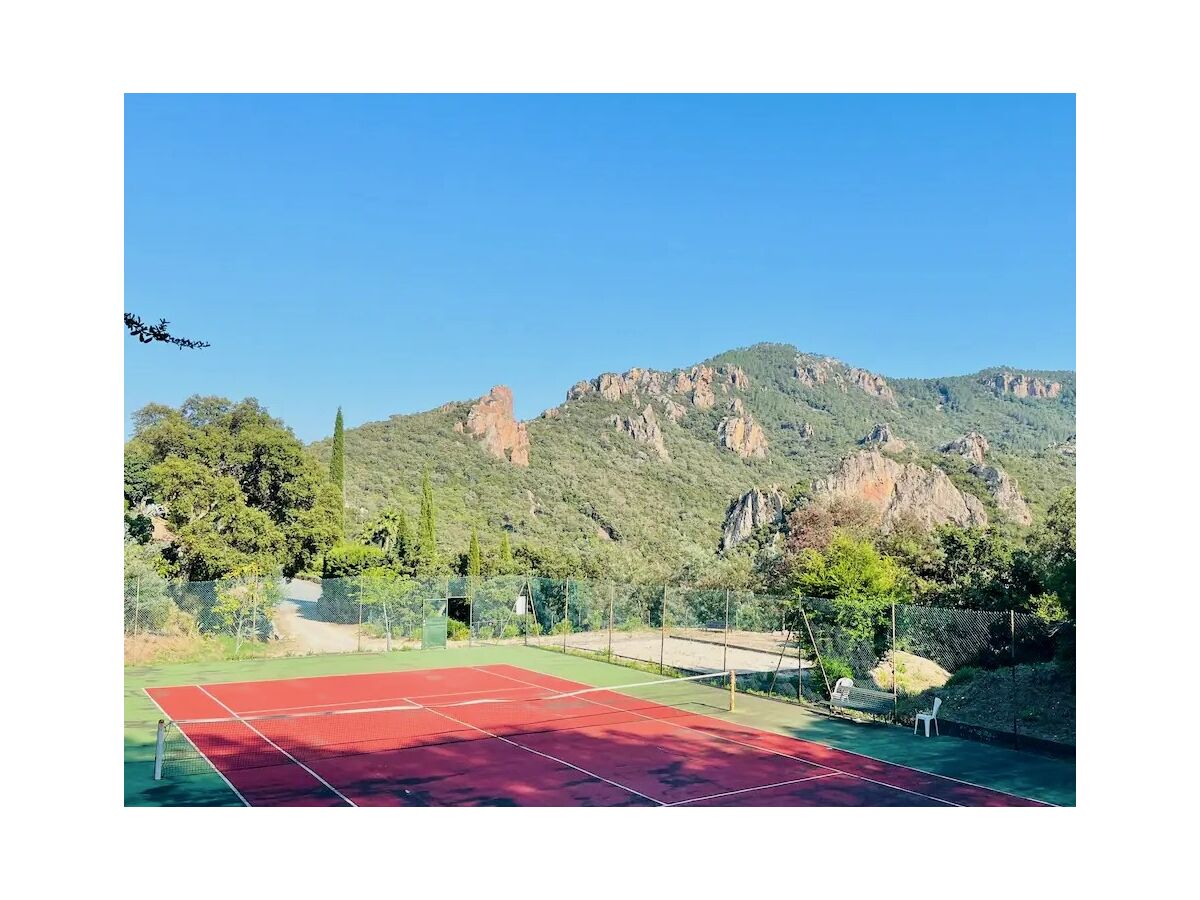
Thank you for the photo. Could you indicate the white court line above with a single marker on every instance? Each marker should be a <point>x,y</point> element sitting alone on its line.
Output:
<point>203,756</point>
<point>744,744</point>
<point>200,687</point>
<point>761,787</point>
<point>886,762</point>
<point>548,756</point>
<point>362,704</point>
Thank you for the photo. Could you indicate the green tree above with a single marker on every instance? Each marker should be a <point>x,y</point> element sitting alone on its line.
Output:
<point>861,583</point>
<point>474,562</point>
<point>506,566</point>
<point>337,465</point>
<point>427,556</point>
<point>392,533</point>
<point>239,488</point>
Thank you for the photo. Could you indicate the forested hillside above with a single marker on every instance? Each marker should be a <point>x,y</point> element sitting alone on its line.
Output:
<point>634,475</point>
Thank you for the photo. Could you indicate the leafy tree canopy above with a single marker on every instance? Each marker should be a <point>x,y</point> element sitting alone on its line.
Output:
<point>239,489</point>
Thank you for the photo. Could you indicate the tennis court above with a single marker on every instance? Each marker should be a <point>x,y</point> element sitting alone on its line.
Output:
<point>502,735</point>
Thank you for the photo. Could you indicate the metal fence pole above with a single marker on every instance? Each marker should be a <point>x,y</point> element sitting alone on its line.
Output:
<point>360,613</point>
<point>725,652</point>
<point>612,594</point>
<point>470,610</point>
<point>895,693</point>
<point>1012,631</point>
<point>566,610</point>
<point>137,604</point>
<point>387,621</point>
<point>662,641</point>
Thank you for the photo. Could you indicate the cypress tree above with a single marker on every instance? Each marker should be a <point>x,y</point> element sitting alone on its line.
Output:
<point>426,530</point>
<point>337,468</point>
<point>506,557</point>
<point>474,564</point>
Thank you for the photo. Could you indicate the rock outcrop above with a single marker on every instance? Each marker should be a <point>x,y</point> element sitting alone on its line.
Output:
<point>491,420</point>
<point>743,436</point>
<point>971,445</point>
<point>803,430</point>
<point>881,437</point>
<point>750,511</point>
<point>813,371</point>
<point>643,428</point>
<point>1005,492</point>
<point>698,383</point>
<point>872,384</point>
<point>1023,386</point>
<point>672,410</point>
<point>902,491</point>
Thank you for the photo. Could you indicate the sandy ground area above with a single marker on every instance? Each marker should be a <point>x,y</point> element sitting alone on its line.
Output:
<point>702,652</point>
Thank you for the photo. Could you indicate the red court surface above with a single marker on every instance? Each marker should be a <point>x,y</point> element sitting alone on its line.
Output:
<point>599,749</point>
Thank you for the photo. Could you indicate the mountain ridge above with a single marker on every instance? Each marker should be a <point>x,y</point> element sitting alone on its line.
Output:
<point>659,456</point>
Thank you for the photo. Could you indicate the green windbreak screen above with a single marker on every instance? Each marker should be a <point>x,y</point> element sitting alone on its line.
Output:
<point>433,632</point>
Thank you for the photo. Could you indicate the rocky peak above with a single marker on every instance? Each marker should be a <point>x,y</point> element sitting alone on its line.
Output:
<point>672,410</point>
<point>752,510</point>
<point>743,436</point>
<point>643,428</point>
<point>491,419</point>
<point>1022,386</point>
<point>881,436</point>
<point>736,406</point>
<point>971,445</point>
<point>900,491</point>
<point>812,371</point>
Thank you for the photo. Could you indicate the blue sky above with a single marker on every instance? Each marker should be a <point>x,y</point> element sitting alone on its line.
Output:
<point>390,253</point>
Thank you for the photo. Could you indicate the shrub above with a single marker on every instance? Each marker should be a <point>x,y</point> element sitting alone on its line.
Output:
<point>834,669</point>
<point>561,627</point>
<point>484,632</point>
<point>457,631</point>
<point>510,631</point>
<point>965,675</point>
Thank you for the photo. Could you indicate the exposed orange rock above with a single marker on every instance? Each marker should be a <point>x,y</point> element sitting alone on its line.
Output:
<point>491,419</point>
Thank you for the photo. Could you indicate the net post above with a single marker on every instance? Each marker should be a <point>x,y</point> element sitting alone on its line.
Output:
<point>160,741</point>
<point>732,689</point>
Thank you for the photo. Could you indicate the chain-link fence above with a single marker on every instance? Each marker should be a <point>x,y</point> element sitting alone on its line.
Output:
<point>1002,676</point>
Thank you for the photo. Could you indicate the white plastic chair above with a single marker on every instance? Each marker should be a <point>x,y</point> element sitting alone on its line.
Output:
<point>928,717</point>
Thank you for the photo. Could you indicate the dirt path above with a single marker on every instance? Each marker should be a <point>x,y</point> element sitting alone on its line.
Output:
<point>295,617</point>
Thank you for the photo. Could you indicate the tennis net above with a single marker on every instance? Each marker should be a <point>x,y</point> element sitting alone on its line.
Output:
<point>194,746</point>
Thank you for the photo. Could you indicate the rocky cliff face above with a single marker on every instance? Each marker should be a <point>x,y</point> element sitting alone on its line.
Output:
<point>902,491</point>
<point>882,438</point>
<point>971,445</point>
<point>643,428</point>
<point>1023,386</point>
<point>1004,490</point>
<point>750,511</point>
<point>699,384</point>
<point>491,421</point>
<point>812,371</point>
<point>743,436</point>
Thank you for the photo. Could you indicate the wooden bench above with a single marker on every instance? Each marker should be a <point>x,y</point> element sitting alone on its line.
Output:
<point>846,695</point>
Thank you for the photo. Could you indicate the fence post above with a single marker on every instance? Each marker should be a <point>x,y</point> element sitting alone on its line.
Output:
<point>137,604</point>
<point>470,610</point>
<point>612,593</point>
<point>662,641</point>
<point>1012,631</point>
<point>725,652</point>
<point>387,619</point>
<point>528,605</point>
<point>895,690</point>
<point>566,610</point>
<point>360,614</point>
